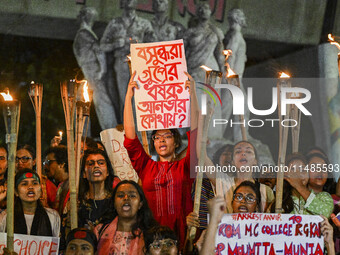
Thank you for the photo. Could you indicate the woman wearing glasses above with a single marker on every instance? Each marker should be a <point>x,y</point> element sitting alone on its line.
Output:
<point>25,159</point>
<point>96,183</point>
<point>166,182</point>
<point>160,240</point>
<point>246,198</point>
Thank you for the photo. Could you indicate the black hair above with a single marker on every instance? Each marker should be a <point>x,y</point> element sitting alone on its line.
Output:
<point>219,152</point>
<point>158,233</point>
<point>90,237</point>
<point>287,200</point>
<point>255,187</point>
<point>145,219</point>
<point>41,225</point>
<point>330,185</point>
<point>316,148</point>
<point>29,148</point>
<point>60,154</point>
<point>84,183</point>
<point>177,137</point>
<point>296,156</point>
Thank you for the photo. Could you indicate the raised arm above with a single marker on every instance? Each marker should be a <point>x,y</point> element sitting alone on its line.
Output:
<point>129,122</point>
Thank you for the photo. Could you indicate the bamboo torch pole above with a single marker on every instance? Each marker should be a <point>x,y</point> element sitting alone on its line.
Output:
<point>145,142</point>
<point>203,127</point>
<point>234,79</point>
<point>295,114</point>
<point>36,95</point>
<point>11,112</point>
<point>83,112</point>
<point>283,136</point>
<point>68,95</point>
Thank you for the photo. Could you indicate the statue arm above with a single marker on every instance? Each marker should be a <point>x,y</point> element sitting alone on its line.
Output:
<point>218,53</point>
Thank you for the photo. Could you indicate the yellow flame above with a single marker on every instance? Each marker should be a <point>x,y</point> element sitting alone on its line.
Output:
<point>129,57</point>
<point>85,92</point>
<point>332,41</point>
<point>60,134</point>
<point>7,97</point>
<point>230,72</point>
<point>227,52</point>
<point>284,75</point>
<point>206,68</point>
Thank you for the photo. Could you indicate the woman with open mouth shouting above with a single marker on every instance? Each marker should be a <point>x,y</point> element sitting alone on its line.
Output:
<point>96,183</point>
<point>244,159</point>
<point>166,183</point>
<point>122,230</point>
<point>30,217</point>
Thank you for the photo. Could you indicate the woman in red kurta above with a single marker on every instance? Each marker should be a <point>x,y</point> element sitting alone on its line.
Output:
<point>166,183</point>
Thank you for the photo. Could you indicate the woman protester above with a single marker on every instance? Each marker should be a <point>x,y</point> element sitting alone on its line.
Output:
<point>25,159</point>
<point>298,198</point>
<point>244,159</point>
<point>122,230</point>
<point>166,182</point>
<point>161,240</point>
<point>30,217</point>
<point>96,183</point>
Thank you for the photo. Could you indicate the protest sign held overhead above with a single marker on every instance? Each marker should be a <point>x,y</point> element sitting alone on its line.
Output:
<point>259,233</point>
<point>161,100</point>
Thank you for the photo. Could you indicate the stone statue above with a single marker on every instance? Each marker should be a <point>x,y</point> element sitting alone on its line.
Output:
<point>203,44</point>
<point>165,29</point>
<point>91,60</point>
<point>234,41</point>
<point>119,33</point>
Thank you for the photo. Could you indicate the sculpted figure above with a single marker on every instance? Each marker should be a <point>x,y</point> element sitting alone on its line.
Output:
<point>234,41</point>
<point>203,44</point>
<point>165,29</point>
<point>118,35</point>
<point>92,61</point>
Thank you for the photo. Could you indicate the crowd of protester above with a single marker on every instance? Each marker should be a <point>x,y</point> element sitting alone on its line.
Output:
<point>122,217</point>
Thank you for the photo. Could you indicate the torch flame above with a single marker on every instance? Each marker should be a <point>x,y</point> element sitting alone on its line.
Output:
<point>85,92</point>
<point>284,75</point>
<point>227,53</point>
<point>332,41</point>
<point>206,68</point>
<point>230,72</point>
<point>7,97</point>
<point>60,133</point>
<point>129,57</point>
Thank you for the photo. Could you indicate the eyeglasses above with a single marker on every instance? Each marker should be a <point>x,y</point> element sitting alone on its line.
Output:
<point>248,198</point>
<point>100,162</point>
<point>165,136</point>
<point>166,243</point>
<point>23,159</point>
<point>2,158</point>
<point>47,162</point>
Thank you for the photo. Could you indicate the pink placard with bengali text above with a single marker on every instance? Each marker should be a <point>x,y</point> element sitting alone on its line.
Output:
<point>161,100</point>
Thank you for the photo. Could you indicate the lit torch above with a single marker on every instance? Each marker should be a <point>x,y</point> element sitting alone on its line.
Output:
<point>283,81</point>
<point>36,94</point>
<point>83,113</point>
<point>60,135</point>
<point>333,42</point>
<point>11,112</point>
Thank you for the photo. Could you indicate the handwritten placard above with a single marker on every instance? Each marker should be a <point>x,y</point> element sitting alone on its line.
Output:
<point>161,100</point>
<point>113,141</point>
<point>32,245</point>
<point>269,234</point>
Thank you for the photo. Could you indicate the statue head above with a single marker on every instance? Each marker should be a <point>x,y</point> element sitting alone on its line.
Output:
<point>203,11</point>
<point>237,16</point>
<point>128,4</point>
<point>87,15</point>
<point>160,5</point>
